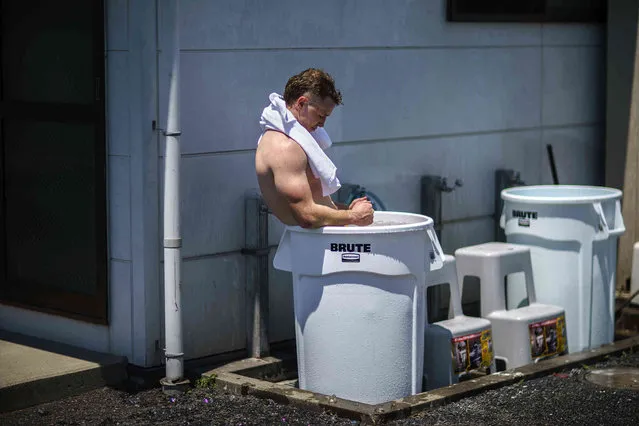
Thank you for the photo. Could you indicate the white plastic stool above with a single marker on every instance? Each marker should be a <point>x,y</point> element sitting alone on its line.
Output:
<point>523,335</point>
<point>469,339</point>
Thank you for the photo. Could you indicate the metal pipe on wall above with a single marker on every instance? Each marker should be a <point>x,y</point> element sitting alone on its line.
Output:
<point>174,381</point>
<point>256,252</point>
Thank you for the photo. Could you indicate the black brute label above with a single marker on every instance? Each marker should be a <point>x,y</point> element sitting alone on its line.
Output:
<point>351,248</point>
<point>524,217</point>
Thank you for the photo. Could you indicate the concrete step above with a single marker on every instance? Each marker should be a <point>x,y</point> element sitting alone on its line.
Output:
<point>34,371</point>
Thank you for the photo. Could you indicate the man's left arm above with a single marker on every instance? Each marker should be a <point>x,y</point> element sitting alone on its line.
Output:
<point>328,201</point>
<point>339,206</point>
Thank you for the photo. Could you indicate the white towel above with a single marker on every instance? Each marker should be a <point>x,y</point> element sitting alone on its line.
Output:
<point>277,117</point>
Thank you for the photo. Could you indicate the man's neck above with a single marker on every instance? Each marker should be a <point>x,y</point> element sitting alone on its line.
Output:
<point>290,109</point>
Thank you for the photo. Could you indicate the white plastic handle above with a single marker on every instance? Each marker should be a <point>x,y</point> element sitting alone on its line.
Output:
<point>603,231</point>
<point>620,226</point>
<point>436,260</point>
<point>283,256</point>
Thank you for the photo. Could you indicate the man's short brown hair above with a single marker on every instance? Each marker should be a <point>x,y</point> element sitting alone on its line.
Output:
<point>313,81</point>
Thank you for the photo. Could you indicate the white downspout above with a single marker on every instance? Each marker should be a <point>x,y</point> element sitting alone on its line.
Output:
<point>174,381</point>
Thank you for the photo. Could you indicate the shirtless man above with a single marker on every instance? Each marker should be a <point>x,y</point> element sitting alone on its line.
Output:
<point>288,185</point>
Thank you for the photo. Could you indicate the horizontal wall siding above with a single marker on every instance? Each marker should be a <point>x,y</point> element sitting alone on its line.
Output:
<point>578,153</point>
<point>573,85</point>
<point>388,94</point>
<point>214,319</point>
<point>254,24</point>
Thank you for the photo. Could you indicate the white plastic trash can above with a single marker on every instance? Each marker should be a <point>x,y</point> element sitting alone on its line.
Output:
<point>359,302</point>
<point>572,232</point>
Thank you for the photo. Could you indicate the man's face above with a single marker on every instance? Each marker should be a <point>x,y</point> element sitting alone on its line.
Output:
<point>312,112</point>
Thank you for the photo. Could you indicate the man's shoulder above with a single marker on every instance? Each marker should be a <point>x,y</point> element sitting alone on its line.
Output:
<point>275,136</point>
<point>281,143</point>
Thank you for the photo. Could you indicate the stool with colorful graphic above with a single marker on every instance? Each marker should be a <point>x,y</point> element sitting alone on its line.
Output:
<point>523,335</point>
<point>455,348</point>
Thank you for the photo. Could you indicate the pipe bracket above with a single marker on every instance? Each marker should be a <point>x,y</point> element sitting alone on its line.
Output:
<point>172,242</point>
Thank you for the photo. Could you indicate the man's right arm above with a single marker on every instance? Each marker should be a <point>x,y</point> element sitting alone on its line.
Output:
<point>289,164</point>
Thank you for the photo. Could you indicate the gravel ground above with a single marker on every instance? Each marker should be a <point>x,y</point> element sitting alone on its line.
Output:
<point>559,399</point>
<point>110,407</point>
<point>563,398</point>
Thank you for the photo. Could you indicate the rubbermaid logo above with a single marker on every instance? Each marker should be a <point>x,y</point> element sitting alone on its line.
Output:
<point>350,257</point>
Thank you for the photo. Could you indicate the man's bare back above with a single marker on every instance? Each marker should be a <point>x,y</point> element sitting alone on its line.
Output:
<point>293,193</point>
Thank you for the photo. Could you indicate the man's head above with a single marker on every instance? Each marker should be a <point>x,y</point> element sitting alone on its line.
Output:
<point>311,96</point>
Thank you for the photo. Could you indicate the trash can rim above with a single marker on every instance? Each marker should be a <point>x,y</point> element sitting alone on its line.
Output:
<point>419,222</point>
<point>582,194</point>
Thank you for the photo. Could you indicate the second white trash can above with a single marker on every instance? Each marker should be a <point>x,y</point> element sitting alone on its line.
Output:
<point>359,302</point>
<point>572,232</point>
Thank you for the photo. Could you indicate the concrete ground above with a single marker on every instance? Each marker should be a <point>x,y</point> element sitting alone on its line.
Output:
<point>33,371</point>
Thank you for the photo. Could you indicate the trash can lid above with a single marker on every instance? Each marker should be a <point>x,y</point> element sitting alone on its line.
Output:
<point>383,222</point>
<point>560,194</point>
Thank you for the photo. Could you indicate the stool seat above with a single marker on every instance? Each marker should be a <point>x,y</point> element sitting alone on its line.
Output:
<point>493,249</point>
<point>491,262</point>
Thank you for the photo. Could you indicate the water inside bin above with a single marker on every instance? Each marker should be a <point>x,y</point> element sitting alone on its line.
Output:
<point>387,223</point>
<point>388,219</point>
<point>383,223</point>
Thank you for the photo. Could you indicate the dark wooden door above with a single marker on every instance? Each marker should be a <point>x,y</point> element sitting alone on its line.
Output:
<point>53,249</point>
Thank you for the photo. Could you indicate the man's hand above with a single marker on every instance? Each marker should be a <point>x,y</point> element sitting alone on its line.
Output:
<point>362,211</point>
<point>356,200</point>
